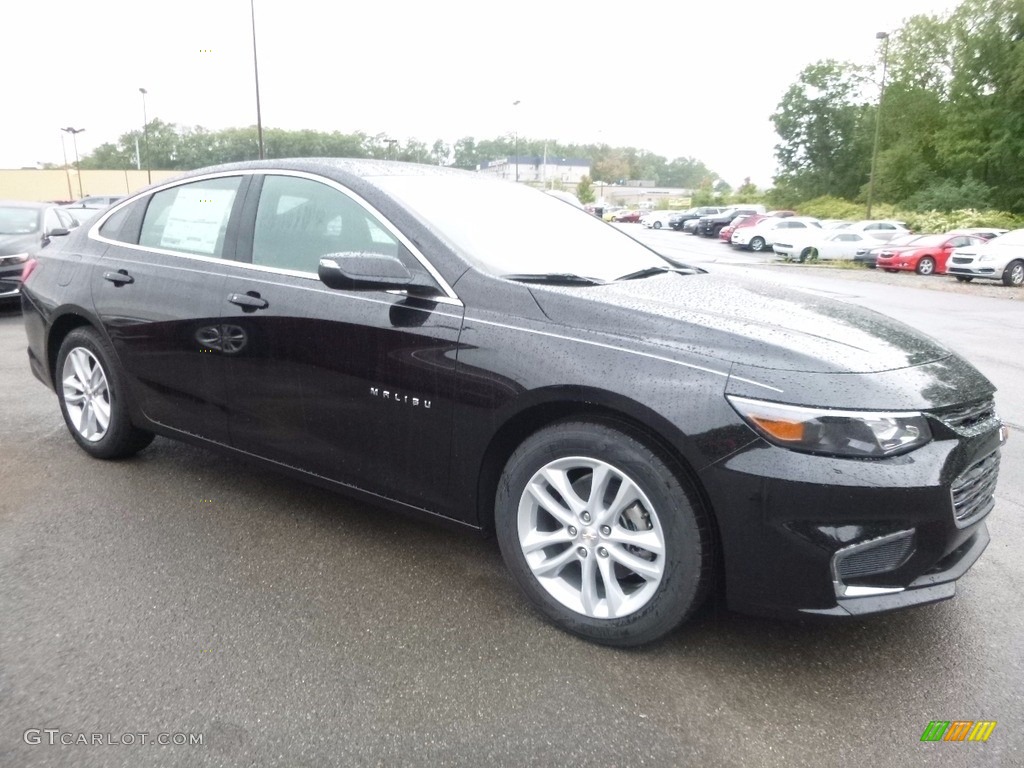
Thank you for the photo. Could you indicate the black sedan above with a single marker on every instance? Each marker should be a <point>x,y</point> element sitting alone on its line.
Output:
<point>631,431</point>
<point>25,229</point>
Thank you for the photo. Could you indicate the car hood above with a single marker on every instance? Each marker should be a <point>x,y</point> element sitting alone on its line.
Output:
<point>744,322</point>
<point>18,244</point>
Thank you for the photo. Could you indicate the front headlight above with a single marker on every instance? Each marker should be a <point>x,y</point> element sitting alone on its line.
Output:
<point>862,434</point>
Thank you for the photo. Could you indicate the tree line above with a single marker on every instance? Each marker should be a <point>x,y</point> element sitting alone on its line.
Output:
<point>168,146</point>
<point>950,125</point>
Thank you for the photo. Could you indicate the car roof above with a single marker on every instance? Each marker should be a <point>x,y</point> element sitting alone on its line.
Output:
<point>24,204</point>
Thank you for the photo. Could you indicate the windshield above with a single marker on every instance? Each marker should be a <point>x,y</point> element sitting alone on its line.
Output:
<point>19,221</point>
<point>930,241</point>
<point>505,228</point>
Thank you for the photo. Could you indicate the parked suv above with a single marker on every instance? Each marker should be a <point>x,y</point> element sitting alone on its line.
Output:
<point>677,220</point>
<point>711,226</point>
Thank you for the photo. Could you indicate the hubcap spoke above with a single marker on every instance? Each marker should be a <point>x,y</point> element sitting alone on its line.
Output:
<point>588,585</point>
<point>559,480</point>
<point>647,540</point>
<point>552,565</point>
<point>537,540</point>
<point>548,503</point>
<point>627,494</point>
<point>612,590</point>
<point>643,568</point>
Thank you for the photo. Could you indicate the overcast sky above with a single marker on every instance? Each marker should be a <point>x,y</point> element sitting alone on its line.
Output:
<point>676,78</point>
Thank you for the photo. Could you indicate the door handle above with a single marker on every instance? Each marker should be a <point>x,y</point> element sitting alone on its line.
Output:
<point>249,302</point>
<point>119,278</point>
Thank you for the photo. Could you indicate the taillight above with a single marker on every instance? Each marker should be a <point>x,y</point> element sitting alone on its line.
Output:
<point>28,269</point>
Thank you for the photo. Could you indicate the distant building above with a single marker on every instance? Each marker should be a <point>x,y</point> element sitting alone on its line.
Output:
<point>535,169</point>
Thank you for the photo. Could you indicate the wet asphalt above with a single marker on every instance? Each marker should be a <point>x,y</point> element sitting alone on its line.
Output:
<point>185,592</point>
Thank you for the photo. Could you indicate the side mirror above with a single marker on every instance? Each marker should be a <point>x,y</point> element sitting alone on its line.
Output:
<point>58,232</point>
<point>359,271</point>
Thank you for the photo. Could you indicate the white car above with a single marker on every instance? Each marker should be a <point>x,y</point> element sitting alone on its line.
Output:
<point>826,245</point>
<point>763,234</point>
<point>1001,258</point>
<point>878,229</point>
<point>657,219</point>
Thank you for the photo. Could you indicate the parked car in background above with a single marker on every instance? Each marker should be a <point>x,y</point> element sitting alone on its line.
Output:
<point>634,434</point>
<point>1001,258</point>
<point>877,229</point>
<point>869,253</point>
<point>629,216</point>
<point>711,226</point>
<point>926,255</point>
<point>726,233</point>
<point>985,233</point>
<point>678,219</point>
<point>657,219</point>
<point>831,245</point>
<point>25,229</point>
<point>762,234</point>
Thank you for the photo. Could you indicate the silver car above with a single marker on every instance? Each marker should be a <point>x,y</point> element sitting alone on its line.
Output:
<point>1001,258</point>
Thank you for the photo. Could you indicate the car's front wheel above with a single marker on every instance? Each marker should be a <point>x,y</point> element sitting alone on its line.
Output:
<point>757,244</point>
<point>961,279</point>
<point>926,266</point>
<point>91,394</point>
<point>601,534</point>
<point>1013,275</point>
<point>808,254</point>
<point>656,225</point>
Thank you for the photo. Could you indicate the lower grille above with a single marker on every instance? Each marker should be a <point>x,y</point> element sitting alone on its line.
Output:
<point>962,260</point>
<point>973,492</point>
<point>874,557</point>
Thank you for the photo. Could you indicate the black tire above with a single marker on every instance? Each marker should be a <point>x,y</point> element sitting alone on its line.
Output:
<point>757,244</point>
<point>808,254</point>
<point>669,512</point>
<point>717,230</point>
<point>893,271</point>
<point>1013,275</point>
<point>962,279</point>
<point>656,225</point>
<point>119,438</point>
<point>925,266</point>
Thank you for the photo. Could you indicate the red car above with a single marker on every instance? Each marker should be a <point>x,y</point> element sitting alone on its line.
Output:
<point>631,217</point>
<point>726,232</point>
<point>926,256</point>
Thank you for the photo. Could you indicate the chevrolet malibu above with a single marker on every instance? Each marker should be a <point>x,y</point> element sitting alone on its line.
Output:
<point>635,433</point>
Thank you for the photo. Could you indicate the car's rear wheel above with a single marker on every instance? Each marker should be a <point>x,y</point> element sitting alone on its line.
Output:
<point>91,394</point>
<point>926,266</point>
<point>602,536</point>
<point>1013,275</point>
<point>962,279</point>
<point>757,243</point>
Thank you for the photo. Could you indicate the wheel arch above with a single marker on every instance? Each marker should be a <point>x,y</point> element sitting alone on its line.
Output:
<point>556,405</point>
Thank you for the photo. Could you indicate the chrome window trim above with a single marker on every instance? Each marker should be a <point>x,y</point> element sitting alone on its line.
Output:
<point>450,297</point>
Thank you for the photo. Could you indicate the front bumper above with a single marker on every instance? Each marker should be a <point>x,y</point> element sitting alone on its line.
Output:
<point>815,535</point>
<point>984,269</point>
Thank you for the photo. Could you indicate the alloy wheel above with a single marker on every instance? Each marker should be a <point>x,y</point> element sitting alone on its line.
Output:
<point>86,394</point>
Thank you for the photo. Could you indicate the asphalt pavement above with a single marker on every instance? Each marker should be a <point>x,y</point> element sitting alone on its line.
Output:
<point>184,593</point>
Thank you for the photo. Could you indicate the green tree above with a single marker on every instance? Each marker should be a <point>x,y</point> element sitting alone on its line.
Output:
<point>585,190</point>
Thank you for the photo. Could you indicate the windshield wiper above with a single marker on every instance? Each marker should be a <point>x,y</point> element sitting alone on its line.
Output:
<point>649,271</point>
<point>554,278</point>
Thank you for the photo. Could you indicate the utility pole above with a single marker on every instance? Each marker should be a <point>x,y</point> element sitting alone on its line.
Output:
<point>884,36</point>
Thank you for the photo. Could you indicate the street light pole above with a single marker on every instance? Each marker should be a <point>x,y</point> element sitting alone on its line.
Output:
<point>516,134</point>
<point>78,166</point>
<point>145,137</point>
<point>256,74</point>
<point>67,173</point>
<point>884,36</point>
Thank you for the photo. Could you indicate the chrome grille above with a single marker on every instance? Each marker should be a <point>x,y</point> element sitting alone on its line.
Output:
<point>973,490</point>
<point>965,417</point>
